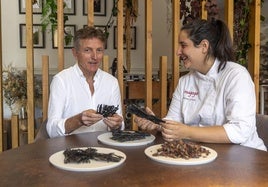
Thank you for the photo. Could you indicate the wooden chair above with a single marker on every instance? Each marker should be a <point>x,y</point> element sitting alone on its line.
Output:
<point>262,127</point>
<point>42,132</point>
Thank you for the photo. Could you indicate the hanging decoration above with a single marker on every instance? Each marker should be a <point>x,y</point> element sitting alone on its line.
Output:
<point>49,18</point>
<point>212,9</point>
<point>190,10</point>
<point>131,14</point>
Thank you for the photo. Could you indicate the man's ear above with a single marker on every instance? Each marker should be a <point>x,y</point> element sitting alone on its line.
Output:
<point>74,53</point>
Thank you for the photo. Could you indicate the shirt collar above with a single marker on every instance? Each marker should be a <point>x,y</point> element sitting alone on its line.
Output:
<point>212,73</point>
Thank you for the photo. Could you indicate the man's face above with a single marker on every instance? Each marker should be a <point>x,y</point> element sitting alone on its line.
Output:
<point>89,55</point>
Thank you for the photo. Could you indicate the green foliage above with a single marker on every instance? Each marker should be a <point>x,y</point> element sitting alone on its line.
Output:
<point>190,9</point>
<point>127,5</point>
<point>68,37</point>
<point>241,30</point>
<point>49,18</point>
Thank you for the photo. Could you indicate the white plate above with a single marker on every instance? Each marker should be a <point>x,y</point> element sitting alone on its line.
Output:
<point>106,139</point>
<point>180,161</point>
<point>57,159</point>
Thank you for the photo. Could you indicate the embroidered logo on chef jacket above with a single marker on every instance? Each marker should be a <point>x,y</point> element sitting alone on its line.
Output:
<point>190,95</point>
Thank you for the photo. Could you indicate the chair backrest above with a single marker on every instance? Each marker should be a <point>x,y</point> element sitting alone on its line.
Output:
<point>262,127</point>
<point>42,132</point>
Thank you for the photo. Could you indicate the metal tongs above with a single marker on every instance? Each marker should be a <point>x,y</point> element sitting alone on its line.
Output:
<point>134,109</point>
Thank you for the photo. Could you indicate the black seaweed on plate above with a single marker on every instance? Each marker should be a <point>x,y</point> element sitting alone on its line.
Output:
<point>123,136</point>
<point>85,155</point>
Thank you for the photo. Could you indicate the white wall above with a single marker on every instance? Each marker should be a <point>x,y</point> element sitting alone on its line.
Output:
<point>162,45</point>
<point>12,53</point>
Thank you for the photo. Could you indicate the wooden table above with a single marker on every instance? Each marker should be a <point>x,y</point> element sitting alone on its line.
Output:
<point>28,165</point>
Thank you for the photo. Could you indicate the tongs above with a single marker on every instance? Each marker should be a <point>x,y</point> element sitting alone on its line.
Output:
<point>134,109</point>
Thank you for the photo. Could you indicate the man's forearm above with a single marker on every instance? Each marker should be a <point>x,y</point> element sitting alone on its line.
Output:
<point>73,123</point>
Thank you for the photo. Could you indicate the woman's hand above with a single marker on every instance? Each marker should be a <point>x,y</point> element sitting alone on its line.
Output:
<point>114,122</point>
<point>172,130</point>
<point>145,124</point>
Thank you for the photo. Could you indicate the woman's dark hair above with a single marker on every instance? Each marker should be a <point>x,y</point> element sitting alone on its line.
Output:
<point>88,32</point>
<point>218,35</point>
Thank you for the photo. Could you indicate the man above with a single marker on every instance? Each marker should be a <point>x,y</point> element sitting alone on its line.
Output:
<point>76,92</point>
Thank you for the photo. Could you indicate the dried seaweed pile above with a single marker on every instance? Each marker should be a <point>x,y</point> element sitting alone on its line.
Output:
<point>134,109</point>
<point>106,110</point>
<point>85,155</point>
<point>181,149</point>
<point>123,136</point>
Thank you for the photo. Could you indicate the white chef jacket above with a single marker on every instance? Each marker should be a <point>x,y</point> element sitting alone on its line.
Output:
<point>224,98</point>
<point>70,95</point>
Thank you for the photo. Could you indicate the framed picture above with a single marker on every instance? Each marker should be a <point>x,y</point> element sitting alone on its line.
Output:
<point>70,7</point>
<point>133,38</point>
<point>38,36</point>
<point>102,27</point>
<point>69,31</point>
<point>99,7</point>
<point>37,6</point>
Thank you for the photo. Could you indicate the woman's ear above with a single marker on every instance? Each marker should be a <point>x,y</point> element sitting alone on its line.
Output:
<point>205,45</point>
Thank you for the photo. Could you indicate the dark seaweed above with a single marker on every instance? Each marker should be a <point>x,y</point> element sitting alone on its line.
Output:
<point>85,155</point>
<point>107,110</point>
<point>134,109</point>
<point>123,136</point>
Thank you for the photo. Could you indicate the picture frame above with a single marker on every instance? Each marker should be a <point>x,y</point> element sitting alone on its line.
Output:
<point>70,8</point>
<point>37,7</point>
<point>69,31</point>
<point>133,38</point>
<point>102,27</point>
<point>99,7</point>
<point>38,36</point>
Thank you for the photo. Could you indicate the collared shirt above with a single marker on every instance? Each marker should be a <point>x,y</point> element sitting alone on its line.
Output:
<point>224,98</point>
<point>70,95</point>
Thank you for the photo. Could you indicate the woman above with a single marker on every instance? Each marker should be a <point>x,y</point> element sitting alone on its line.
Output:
<point>215,101</point>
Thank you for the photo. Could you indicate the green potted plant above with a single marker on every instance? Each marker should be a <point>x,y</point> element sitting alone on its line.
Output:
<point>49,18</point>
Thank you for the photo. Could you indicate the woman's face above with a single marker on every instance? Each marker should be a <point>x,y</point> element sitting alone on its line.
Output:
<point>89,55</point>
<point>192,57</point>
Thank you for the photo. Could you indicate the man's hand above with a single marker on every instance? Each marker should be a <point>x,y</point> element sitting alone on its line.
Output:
<point>90,117</point>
